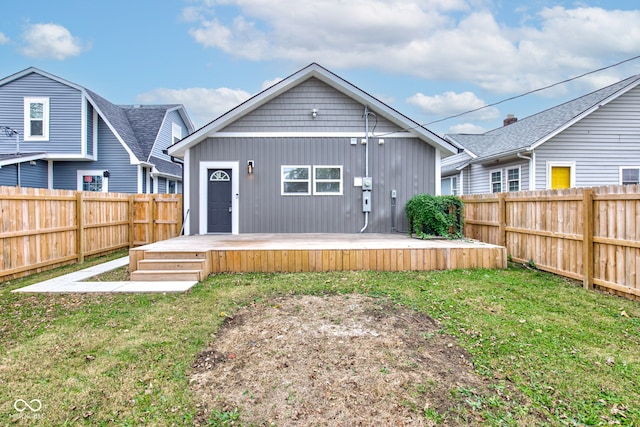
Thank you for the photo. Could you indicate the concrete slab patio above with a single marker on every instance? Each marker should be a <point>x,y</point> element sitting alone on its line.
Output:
<point>76,282</point>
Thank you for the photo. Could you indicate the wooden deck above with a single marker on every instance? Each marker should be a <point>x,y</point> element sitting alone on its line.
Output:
<point>195,257</point>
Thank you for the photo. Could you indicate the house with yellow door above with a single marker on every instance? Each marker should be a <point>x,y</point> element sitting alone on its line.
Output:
<point>589,141</point>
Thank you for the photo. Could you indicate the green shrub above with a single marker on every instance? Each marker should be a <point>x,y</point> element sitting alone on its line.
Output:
<point>430,216</point>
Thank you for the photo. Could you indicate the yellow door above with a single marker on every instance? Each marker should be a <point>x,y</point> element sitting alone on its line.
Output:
<point>560,177</point>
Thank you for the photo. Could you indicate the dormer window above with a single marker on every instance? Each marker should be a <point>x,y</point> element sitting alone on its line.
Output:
<point>36,119</point>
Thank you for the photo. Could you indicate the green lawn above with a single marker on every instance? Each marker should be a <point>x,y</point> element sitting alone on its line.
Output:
<point>574,355</point>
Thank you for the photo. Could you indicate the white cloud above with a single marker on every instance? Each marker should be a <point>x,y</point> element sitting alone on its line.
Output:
<point>468,128</point>
<point>3,39</point>
<point>433,39</point>
<point>203,104</point>
<point>450,103</point>
<point>51,41</point>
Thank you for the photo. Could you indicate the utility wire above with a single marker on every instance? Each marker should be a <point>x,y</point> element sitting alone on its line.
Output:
<point>518,96</point>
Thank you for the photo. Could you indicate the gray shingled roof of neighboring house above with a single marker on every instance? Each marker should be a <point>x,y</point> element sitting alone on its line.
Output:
<point>138,126</point>
<point>146,121</point>
<point>166,166</point>
<point>528,131</point>
<point>460,160</point>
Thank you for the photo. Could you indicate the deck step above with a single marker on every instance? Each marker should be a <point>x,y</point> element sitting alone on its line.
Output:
<point>171,264</point>
<point>191,255</point>
<point>166,275</point>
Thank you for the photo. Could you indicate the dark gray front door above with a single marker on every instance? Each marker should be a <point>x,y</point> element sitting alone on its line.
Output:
<point>219,201</point>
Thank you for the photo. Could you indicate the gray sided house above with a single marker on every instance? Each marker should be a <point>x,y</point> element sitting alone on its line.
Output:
<point>59,135</point>
<point>590,141</point>
<point>312,153</point>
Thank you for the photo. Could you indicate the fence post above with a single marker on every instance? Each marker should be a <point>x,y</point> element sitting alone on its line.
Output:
<point>152,218</point>
<point>587,238</point>
<point>80,225</point>
<point>131,217</point>
<point>502,219</point>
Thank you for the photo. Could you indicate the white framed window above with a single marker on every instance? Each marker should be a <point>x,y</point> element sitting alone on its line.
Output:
<point>513,179</point>
<point>176,133</point>
<point>629,175</point>
<point>93,180</point>
<point>449,186</point>
<point>36,119</point>
<point>172,186</point>
<point>495,181</point>
<point>296,180</point>
<point>327,180</point>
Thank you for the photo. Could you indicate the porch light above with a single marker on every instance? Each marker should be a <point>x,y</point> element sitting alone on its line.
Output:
<point>250,165</point>
<point>314,113</point>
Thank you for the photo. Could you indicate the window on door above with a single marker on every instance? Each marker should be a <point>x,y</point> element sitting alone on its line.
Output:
<point>560,175</point>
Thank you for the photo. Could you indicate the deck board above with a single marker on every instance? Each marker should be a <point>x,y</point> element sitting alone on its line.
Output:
<point>328,252</point>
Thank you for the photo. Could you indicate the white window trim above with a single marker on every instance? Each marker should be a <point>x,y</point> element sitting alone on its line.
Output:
<point>27,118</point>
<point>627,167</point>
<point>572,172</point>
<point>491,172</point>
<point>315,180</point>
<point>175,181</point>
<point>452,188</point>
<point>176,132</point>
<point>282,180</point>
<point>519,168</point>
<point>92,172</point>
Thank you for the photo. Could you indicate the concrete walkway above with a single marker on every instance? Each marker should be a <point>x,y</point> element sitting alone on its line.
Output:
<point>75,282</point>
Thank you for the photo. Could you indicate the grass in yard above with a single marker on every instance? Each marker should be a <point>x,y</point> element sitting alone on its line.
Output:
<point>126,359</point>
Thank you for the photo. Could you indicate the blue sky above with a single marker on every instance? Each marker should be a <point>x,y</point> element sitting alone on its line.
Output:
<point>429,59</point>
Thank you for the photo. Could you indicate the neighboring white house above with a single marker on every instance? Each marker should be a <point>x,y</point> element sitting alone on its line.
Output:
<point>590,141</point>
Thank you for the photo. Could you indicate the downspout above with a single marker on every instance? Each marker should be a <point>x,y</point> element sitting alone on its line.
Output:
<point>531,167</point>
<point>366,159</point>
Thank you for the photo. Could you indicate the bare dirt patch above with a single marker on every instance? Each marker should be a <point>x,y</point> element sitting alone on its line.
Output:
<point>343,360</point>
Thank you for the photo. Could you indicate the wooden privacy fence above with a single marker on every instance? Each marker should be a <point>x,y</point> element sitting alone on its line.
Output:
<point>589,234</point>
<point>43,229</point>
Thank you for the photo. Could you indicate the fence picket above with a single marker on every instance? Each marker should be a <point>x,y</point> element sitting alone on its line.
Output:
<point>42,229</point>
<point>589,234</point>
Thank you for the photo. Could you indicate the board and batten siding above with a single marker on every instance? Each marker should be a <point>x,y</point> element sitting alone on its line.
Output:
<point>111,156</point>
<point>291,112</point>
<point>598,144</point>
<point>65,105</point>
<point>401,164</point>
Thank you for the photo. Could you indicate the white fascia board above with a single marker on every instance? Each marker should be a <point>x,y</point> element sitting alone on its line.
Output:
<point>59,157</point>
<point>22,159</point>
<point>30,70</point>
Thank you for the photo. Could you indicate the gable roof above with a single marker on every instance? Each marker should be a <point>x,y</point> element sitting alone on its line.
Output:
<point>137,127</point>
<point>314,71</point>
<point>528,133</point>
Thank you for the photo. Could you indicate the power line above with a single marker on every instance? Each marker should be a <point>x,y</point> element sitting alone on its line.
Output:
<point>518,96</point>
<point>533,91</point>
